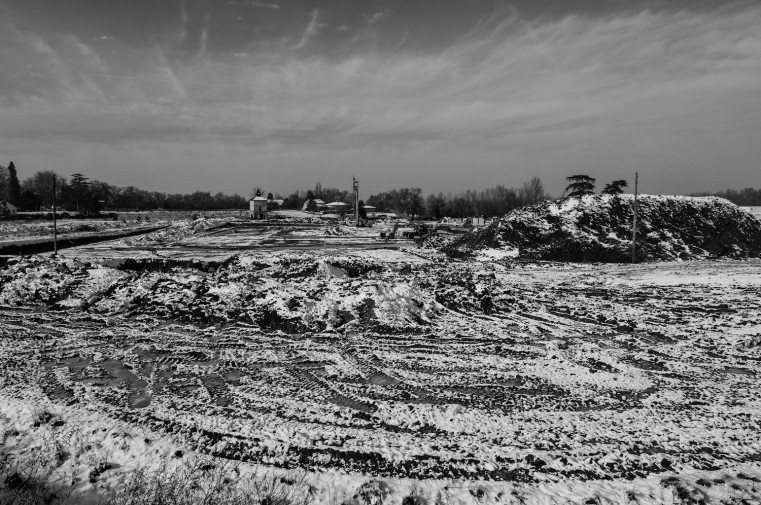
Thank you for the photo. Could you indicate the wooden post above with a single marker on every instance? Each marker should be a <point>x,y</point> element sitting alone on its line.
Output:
<point>356,201</point>
<point>55,223</point>
<point>634,227</point>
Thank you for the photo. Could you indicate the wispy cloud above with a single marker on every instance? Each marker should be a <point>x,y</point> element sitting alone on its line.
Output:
<point>581,93</point>
<point>204,41</point>
<point>376,17</point>
<point>182,31</point>
<point>256,4</point>
<point>313,29</point>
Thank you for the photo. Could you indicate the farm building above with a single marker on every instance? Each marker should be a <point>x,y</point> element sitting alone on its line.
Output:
<point>337,207</point>
<point>7,208</point>
<point>258,207</point>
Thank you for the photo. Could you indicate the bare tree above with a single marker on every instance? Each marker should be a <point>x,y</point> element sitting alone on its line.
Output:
<point>532,191</point>
<point>41,184</point>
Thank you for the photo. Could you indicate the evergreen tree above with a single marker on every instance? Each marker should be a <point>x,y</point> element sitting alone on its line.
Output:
<point>14,187</point>
<point>615,187</point>
<point>4,193</point>
<point>580,185</point>
<point>78,184</point>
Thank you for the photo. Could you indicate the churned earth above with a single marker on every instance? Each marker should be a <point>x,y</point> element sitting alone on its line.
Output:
<point>599,228</point>
<point>534,380</point>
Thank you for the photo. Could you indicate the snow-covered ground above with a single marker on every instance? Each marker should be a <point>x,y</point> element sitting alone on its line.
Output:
<point>456,381</point>
<point>219,239</point>
<point>11,231</point>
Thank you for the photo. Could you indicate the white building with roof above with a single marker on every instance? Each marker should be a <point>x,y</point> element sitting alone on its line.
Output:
<point>258,207</point>
<point>337,207</point>
<point>7,208</point>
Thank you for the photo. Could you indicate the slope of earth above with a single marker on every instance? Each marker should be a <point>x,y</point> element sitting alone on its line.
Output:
<point>400,367</point>
<point>599,228</point>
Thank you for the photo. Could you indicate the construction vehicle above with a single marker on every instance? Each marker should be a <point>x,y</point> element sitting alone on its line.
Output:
<point>386,236</point>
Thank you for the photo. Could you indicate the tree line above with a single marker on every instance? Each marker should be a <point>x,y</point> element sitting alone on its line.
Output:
<point>80,193</point>
<point>580,185</point>
<point>747,197</point>
<point>489,202</point>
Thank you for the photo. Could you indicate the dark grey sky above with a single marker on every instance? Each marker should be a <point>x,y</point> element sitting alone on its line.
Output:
<point>445,94</point>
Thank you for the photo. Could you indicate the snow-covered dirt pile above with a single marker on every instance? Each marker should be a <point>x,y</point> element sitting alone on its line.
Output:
<point>292,292</point>
<point>177,230</point>
<point>598,228</point>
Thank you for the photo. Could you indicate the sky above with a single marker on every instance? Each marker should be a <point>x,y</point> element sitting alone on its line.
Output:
<point>446,95</point>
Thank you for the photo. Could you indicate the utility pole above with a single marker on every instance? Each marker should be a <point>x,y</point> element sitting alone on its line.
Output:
<point>55,223</point>
<point>634,227</point>
<point>356,200</point>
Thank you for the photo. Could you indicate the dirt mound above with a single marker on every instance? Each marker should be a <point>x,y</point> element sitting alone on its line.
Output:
<point>179,230</point>
<point>598,228</point>
<point>291,292</point>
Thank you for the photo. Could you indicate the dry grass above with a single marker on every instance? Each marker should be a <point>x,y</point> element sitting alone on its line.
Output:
<point>202,483</point>
<point>30,483</point>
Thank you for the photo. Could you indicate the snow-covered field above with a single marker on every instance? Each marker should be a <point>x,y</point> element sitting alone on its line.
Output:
<point>11,231</point>
<point>455,381</point>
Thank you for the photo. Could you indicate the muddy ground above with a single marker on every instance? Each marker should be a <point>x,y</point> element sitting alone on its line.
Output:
<point>401,363</point>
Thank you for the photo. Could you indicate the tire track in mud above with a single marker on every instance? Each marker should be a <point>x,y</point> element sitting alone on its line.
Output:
<point>332,394</point>
<point>455,373</point>
<point>292,364</point>
<point>371,370</point>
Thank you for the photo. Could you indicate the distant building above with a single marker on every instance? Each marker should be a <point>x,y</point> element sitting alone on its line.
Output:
<point>7,208</point>
<point>258,207</point>
<point>337,207</point>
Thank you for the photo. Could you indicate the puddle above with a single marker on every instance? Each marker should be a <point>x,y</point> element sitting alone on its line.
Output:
<point>739,371</point>
<point>382,379</point>
<point>345,401</point>
<point>118,371</point>
<point>138,401</point>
